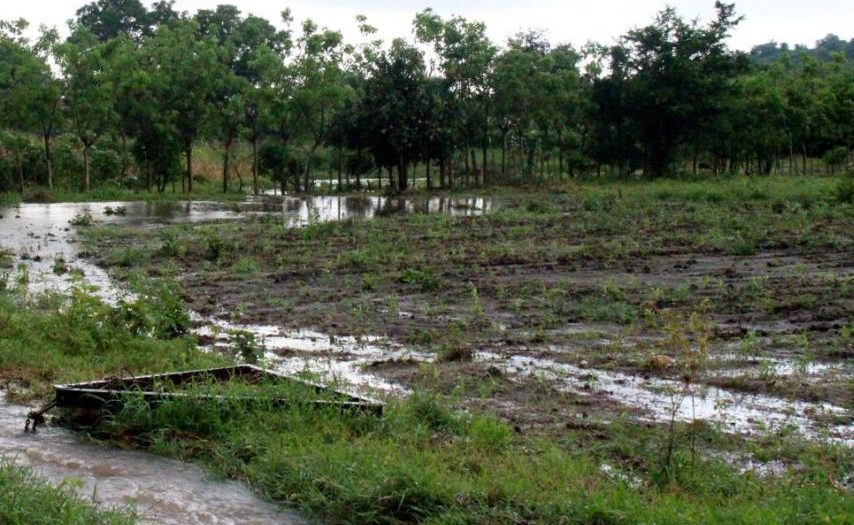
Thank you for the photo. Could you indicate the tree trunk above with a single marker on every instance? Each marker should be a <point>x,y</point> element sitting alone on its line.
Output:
<point>466,162</point>
<point>429,180</point>
<point>255,188</point>
<point>531,159</point>
<point>791,158</point>
<point>226,157</point>
<point>504,155</point>
<point>340,169</point>
<point>189,168</point>
<point>48,160</point>
<point>86,167</point>
<point>402,175</point>
<point>474,166</point>
<point>21,174</point>
<point>306,183</point>
<point>485,143</point>
<point>125,162</point>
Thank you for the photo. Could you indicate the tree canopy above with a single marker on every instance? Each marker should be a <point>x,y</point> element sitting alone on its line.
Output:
<point>134,89</point>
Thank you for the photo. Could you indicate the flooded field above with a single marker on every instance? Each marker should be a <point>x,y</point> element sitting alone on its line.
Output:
<point>384,307</point>
<point>41,238</point>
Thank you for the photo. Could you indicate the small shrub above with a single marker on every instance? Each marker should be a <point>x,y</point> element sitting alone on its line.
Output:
<point>456,353</point>
<point>81,218</point>
<point>171,245</point>
<point>743,247</point>
<point>369,282</point>
<point>427,280</point>
<point>490,434</point>
<point>215,247</point>
<point>59,266</point>
<point>245,265</point>
<point>246,345</point>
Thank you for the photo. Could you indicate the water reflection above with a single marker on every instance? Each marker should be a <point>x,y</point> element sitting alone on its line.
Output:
<point>302,211</point>
<point>40,235</point>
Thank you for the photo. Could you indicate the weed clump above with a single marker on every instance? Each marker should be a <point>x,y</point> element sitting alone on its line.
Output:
<point>82,218</point>
<point>427,280</point>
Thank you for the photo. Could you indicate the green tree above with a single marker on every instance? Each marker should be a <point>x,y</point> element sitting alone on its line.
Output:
<point>188,69</point>
<point>466,55</point>
<point>32,98</point>
<point>678,76</point>
<point>395,111</point>
<point>107,19</point>
<point>88,94</point>
<point>318,88</point>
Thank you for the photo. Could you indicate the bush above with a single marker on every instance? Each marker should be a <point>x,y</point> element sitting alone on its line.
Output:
<point>844,191</point>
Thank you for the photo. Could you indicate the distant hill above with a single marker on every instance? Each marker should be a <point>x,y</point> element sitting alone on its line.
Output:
<point>823,50</point>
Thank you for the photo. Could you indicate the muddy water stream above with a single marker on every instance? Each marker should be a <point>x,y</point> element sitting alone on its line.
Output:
<point>160,490</point>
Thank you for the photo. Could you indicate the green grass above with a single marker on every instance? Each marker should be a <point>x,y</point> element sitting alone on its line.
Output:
<point>559,230</point>
<point>422,463</point>
<point>26,500</point>
<point>81,338</point>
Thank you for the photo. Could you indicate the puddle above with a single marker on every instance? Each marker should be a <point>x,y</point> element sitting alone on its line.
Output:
<point>163,491</point>
<point>749,414</point>
<point>340,360</point>
<point>299,211</point>
<point>731,365</point>
<point>166,491</point>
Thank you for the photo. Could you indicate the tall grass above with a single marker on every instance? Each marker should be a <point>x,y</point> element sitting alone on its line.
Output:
<point>26,500</point>
<point>422,463</point>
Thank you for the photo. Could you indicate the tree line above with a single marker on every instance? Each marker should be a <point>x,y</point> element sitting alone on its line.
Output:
<point>130,93</point>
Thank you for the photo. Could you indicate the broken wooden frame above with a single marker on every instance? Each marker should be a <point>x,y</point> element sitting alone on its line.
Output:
<point>110,394</point>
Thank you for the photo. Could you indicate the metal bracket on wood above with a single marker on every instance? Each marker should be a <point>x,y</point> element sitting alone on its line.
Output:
<point>36,417</point>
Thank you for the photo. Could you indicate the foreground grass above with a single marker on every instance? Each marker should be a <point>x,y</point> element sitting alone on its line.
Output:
<point>420,463</point>
<point>25,500</point>
<point>423,464</point>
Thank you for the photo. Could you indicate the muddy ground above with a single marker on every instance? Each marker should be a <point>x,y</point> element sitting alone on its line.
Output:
<point>753,297</point>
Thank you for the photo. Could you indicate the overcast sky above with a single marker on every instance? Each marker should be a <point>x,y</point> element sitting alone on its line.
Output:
<point>793,21</point>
